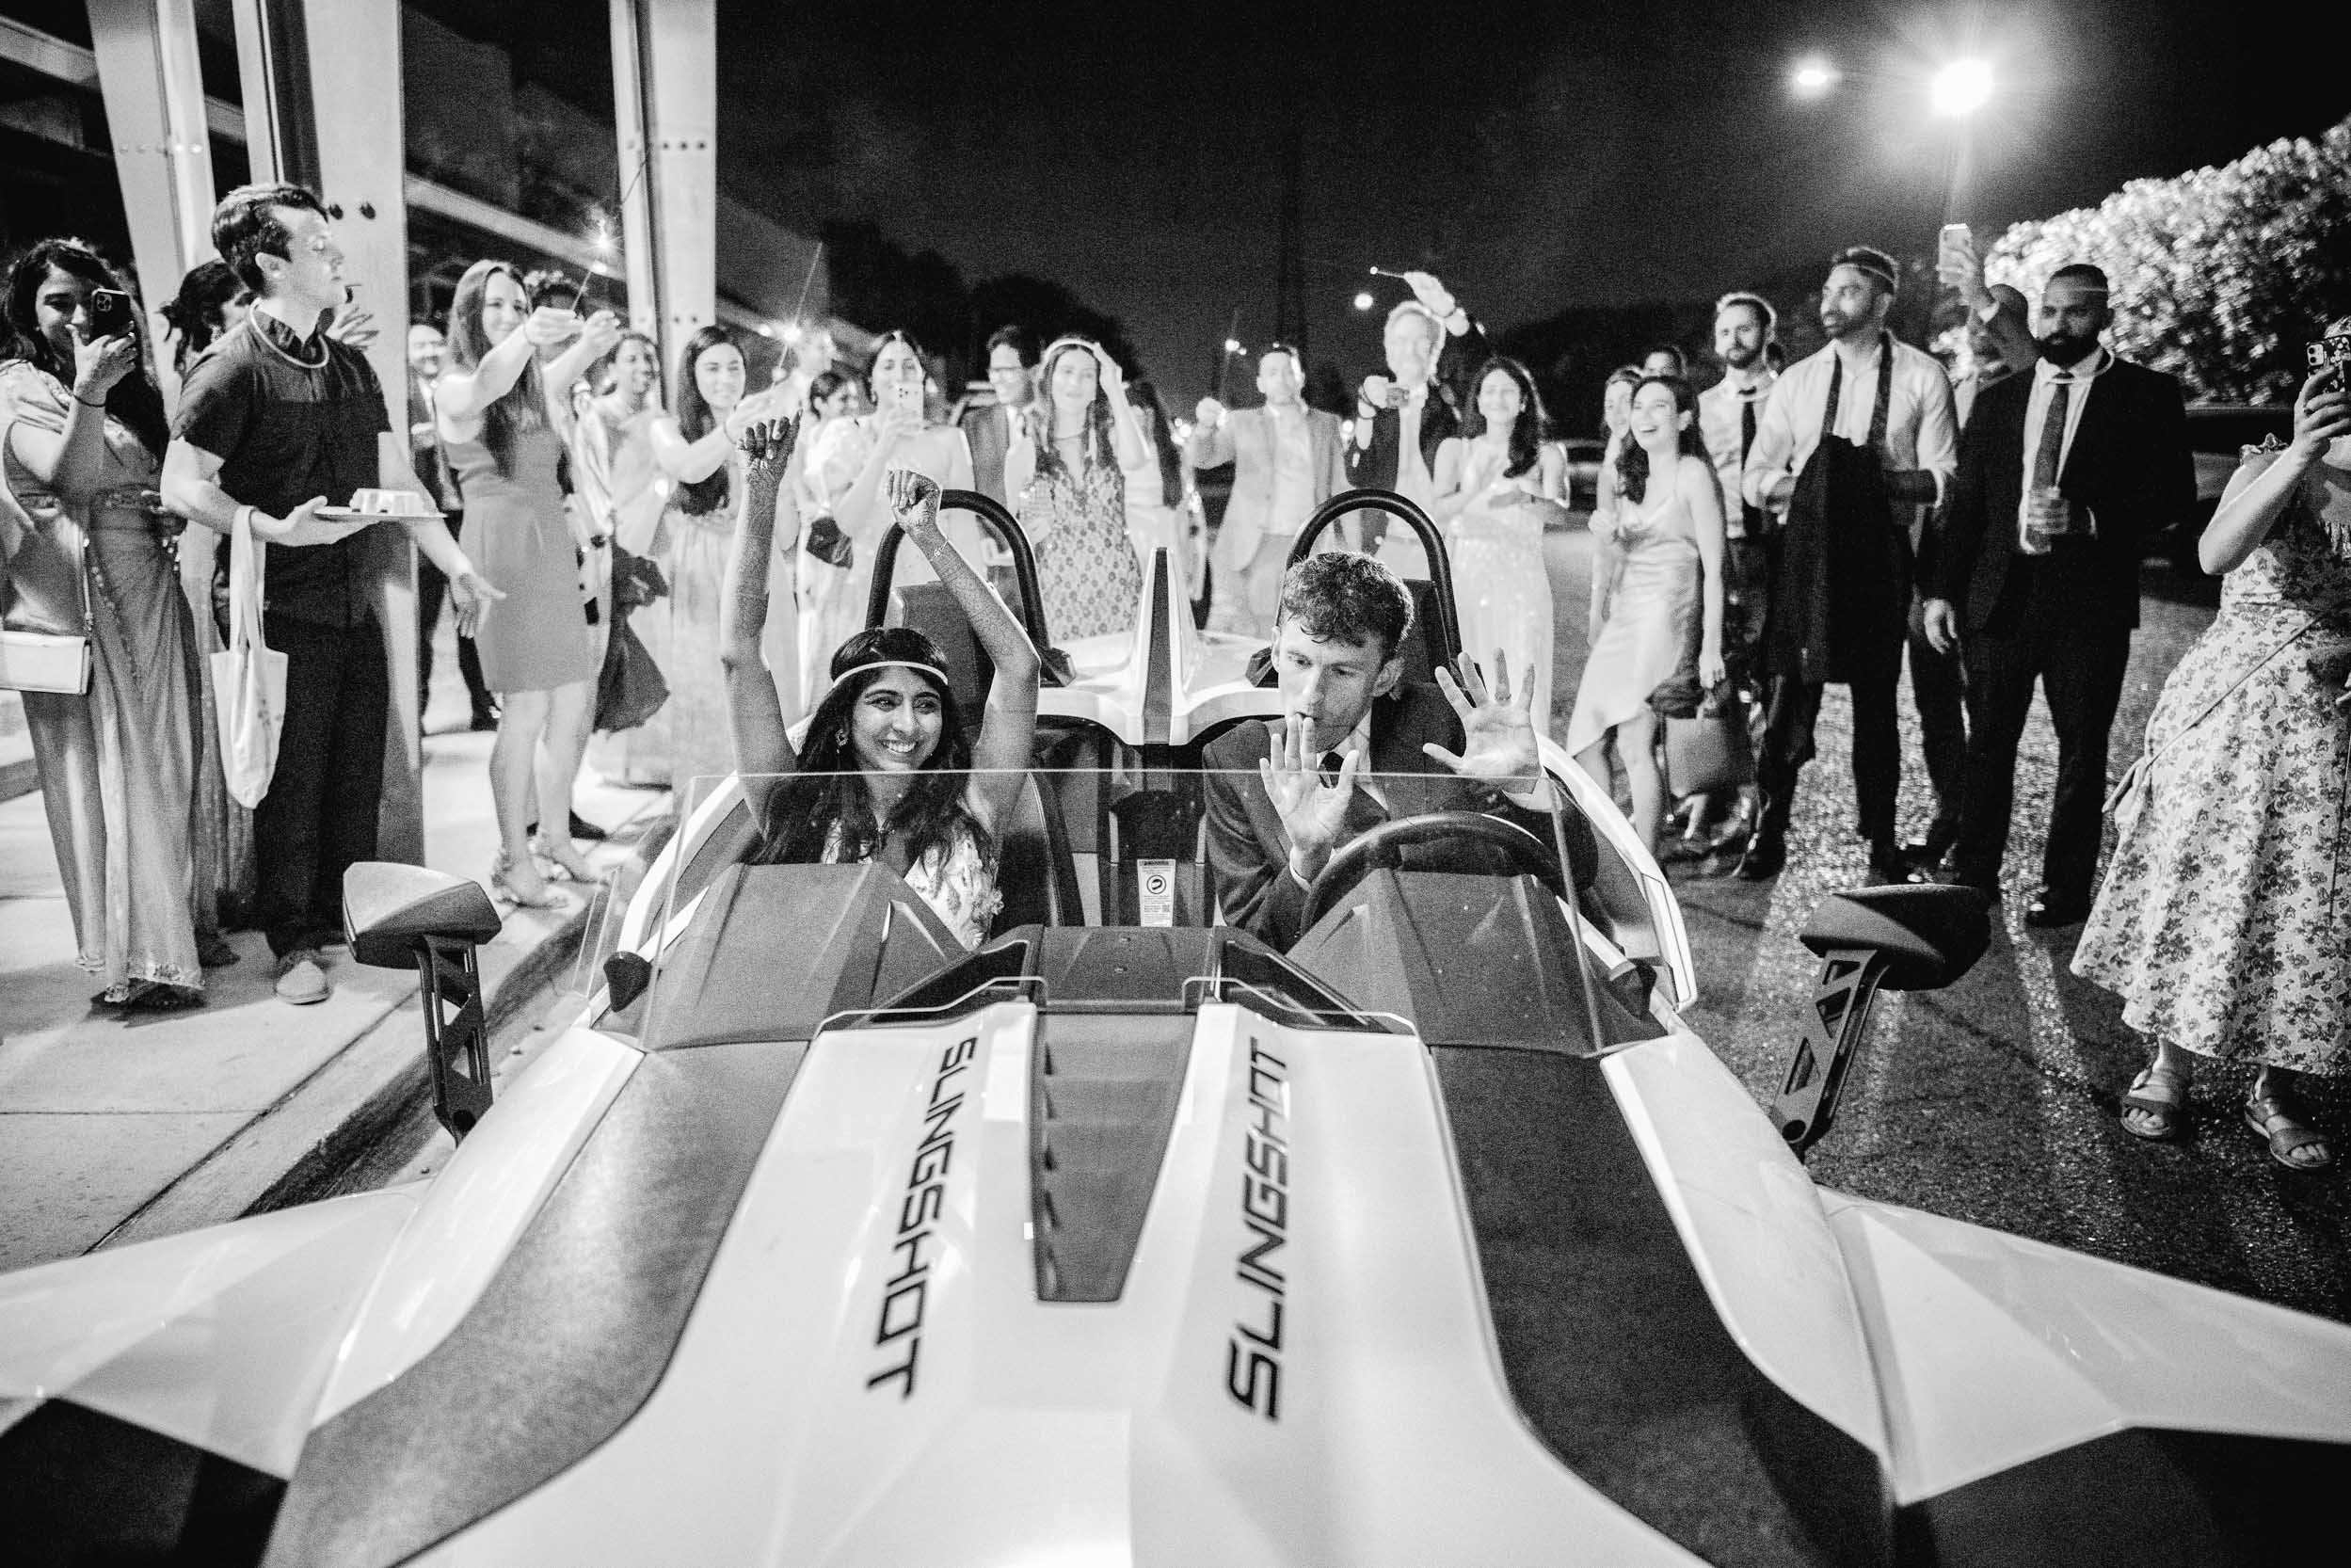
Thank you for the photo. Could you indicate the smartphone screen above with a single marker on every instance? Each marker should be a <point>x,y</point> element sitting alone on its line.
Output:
<point>1953,237</point>
<point>907,394</point>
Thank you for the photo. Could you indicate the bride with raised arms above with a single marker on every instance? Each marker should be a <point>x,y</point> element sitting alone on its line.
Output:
<point>886,771</point>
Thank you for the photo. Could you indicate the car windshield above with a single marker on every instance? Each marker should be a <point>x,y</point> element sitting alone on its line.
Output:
<point>1415,899</point>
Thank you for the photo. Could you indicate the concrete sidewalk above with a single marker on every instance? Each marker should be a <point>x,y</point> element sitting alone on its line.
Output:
<point>118,1126</point>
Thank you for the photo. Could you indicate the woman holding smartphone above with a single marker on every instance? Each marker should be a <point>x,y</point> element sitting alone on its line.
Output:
<point>1072,491</point>
<point>2225,920</point>
<point>504,435</point>
<point>845,471</point>
<point>694,447</point>
<point>81,438</point>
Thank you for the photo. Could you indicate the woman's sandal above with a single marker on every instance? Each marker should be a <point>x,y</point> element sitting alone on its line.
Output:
<point>2167,1115</point>
<point>2274,1117</point>
<point>148,996</point>
<point>562,864</point>
<point>546,898</point>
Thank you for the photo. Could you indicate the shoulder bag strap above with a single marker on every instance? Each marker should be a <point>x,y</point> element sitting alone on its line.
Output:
<point>2137,775</point>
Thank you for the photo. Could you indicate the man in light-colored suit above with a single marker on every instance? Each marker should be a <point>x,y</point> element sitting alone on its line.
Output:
<point>1287,461</point>
<point>994,429</point>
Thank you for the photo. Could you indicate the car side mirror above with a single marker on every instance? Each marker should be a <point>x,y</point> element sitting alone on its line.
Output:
<point>407,917</point>
<point>1907,938</point>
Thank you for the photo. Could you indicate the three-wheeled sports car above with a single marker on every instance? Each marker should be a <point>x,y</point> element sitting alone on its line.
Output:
<point>1126,1239</point>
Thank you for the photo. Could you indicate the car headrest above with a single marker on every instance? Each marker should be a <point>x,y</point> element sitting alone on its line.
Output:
<point>1928,936</point>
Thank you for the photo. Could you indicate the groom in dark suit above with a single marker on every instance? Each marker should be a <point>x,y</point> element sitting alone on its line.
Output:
<point>1283,797</point>
<point>2062,473</point>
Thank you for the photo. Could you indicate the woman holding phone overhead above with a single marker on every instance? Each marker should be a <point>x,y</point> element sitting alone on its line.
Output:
<point>81,438</point>
<point>886,773</point>
<point>694,446</point>
<point>2225,920</point>
<point>504,436</point>
<point>846,470</point>
<point>1072,492</point>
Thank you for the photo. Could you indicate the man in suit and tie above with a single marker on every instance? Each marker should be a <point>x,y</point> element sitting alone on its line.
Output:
<point>1356,746</point>
<point>1403,417</point>
<point>2062,473</point>
<point>996,428</point>
<point>1286,463</point>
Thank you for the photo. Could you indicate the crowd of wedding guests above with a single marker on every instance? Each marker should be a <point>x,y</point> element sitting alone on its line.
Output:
<point>1837,520</point>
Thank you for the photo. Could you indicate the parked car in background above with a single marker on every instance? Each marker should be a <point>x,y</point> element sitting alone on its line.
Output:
<point>1582,474</point>
<point>2218,433</point>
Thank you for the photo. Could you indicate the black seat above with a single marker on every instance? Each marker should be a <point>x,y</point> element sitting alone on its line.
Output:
<point>1035,869</point>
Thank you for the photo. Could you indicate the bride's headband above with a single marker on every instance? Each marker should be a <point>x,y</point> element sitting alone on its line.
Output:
<point>931,670</point>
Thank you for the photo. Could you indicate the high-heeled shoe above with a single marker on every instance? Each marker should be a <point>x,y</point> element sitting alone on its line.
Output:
<point>565,863</point>
<point>501,886</point>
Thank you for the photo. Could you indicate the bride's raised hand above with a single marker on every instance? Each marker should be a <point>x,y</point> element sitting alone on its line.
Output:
<point>913,500</point>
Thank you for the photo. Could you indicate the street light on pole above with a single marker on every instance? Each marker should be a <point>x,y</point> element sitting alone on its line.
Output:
<point>1961,88</point>
<point>1814,76</point>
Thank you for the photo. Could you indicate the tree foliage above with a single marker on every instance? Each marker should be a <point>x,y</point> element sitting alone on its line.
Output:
<point>2219,275</point>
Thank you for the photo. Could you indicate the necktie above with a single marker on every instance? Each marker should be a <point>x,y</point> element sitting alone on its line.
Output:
<point>1751,515</point>
<point>2046,464</point>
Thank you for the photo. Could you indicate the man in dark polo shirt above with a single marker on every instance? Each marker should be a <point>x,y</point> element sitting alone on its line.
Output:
<point>279,419</point>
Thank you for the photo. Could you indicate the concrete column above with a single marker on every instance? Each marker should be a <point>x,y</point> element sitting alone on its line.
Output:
<point>665,113</point>
<point>154,98</point>
<point>321,83</point>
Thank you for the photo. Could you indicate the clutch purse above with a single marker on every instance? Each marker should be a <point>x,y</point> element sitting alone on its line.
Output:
<point>35,654</point>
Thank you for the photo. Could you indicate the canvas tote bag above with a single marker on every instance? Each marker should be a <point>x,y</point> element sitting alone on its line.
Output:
<point>249,679</point>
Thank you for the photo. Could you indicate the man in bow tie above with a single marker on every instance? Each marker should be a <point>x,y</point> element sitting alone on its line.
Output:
<point>1356,746</point>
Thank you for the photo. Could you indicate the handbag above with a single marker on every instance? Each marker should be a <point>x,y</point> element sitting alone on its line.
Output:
<point>1712,751</point>
<point>248,678</point>
<point>631,688</point>
<point>35,655</point>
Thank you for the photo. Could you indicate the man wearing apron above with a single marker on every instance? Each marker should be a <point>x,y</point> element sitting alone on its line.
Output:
<point>1853,441</point>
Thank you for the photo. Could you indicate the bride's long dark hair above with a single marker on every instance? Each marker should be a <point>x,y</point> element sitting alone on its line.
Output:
<point>829,787</point>
<point>1632,458</point>
<point>1097,447</point>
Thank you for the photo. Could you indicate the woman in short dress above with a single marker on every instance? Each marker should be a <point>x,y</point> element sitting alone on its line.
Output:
<point>695,449</point>
<point>1493,483</point>
<point>1666,539</point>
<point>887,772</point>
<point>2225,919</point>
<point>846,466</point>
<point>504,438</point>
<point>1072,492</point>
<point>81,438</point>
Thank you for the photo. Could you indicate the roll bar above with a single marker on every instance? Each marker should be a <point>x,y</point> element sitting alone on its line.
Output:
<point>1000,519</point>
<point>1445,623</point>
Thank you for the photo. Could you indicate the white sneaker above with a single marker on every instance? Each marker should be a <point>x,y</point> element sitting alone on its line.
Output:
<point>300,981</point>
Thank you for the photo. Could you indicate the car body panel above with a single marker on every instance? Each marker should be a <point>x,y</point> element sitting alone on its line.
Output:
<point>1995,1351</point>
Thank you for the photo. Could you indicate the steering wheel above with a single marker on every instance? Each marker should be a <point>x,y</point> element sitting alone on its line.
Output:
<point>1384,846</point>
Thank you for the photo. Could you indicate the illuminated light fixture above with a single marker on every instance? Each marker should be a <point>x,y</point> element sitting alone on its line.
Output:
<point>1364,300</point>
<point>1962,86</point>
<point>765,331</point>
<point>794,331</point>
<point>1232,345</point>
<point>1813,76</point>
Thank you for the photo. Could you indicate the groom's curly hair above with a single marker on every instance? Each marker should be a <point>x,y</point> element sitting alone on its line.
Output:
<point>1352,598</point>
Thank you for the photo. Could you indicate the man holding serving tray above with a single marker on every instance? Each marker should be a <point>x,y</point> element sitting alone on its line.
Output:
<point>280,428</point>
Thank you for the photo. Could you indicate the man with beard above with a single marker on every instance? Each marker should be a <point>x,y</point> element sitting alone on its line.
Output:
<point>2062,475</point>
<point>1854,441</point>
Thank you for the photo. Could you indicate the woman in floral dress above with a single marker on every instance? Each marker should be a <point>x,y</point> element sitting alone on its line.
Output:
<point>2224,920</point>
<point>1073,494</point>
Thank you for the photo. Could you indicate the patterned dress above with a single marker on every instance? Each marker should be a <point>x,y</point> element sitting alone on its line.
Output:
<point>117,765</point>
<point>1086,569</point>
<point>2224,920</point>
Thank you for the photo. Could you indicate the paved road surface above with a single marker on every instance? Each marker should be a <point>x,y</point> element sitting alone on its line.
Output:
<point>1995,1102</point>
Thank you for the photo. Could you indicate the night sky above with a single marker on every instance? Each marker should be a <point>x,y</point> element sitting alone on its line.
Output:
<point>1537,156</point>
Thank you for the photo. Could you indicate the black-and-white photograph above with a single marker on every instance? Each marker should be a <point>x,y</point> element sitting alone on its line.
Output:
<point>1141,786</point>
